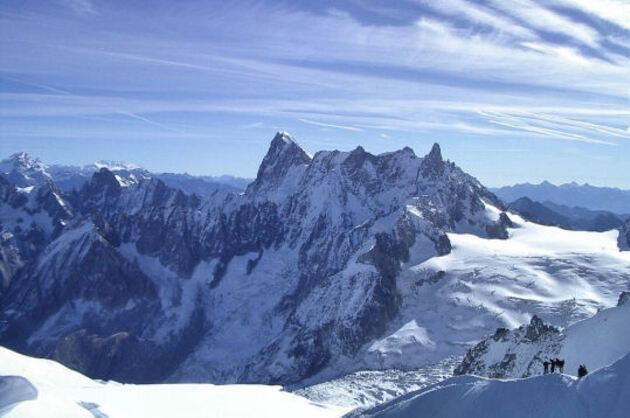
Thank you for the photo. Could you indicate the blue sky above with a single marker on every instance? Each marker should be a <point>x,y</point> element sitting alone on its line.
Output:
<point>513,90</point>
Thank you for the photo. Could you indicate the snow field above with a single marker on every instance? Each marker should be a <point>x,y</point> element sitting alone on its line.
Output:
<point>61,392</point>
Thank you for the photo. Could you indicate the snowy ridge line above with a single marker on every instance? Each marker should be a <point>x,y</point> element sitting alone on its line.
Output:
<point>604,393</point>
<point>596,342</point>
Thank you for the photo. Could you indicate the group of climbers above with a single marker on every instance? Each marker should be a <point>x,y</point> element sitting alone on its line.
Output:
<point>551,365</point>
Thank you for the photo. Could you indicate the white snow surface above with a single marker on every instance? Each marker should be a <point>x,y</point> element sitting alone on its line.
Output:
<point>408,334</point>
<point>368,388</point>
<point>46,388</point>
<point>114,165</point>
<point>603,394</point>
<point>561,276</point>
<point>597,341</point>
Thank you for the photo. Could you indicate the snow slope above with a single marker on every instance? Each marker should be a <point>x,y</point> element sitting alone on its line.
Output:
<point>452,301</point>
<point>31,387</point>
<point>605,394</point>
<point>596,342</point>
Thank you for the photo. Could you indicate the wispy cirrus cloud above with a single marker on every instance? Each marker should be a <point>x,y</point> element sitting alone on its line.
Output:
<point>456,69</point>
<point>479,14</point>
<point>554,126</point>
<point>80,7</point>
<point>331,125</point>
<point>547,20</point>
<point>615,11</point>
<point>99,106</point>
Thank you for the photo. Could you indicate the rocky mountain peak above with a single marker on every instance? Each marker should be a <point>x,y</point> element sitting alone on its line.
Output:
<point>284,153</point>
<point>24,170</point>
<point>283,144</point>
<point>22,159</point>
<point>284,137</point>
<point>435,153</point>
<point>102,184</point>
<point>105,179</point>
<point>536,328</point>
<point>433,164</point>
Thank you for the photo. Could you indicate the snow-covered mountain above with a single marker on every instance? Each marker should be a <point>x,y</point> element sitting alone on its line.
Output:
<point>70,178</point>
<point>25,171</point>
<point>596,342</point>
<point>570,194</point>
<point>602,394</point>
<point>325,265</point>
<point>32,387</point>
<point>203,185</point>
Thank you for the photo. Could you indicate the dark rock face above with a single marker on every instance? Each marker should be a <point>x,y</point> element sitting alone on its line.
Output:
<point>104,276</point>
<point>129,281</point>
<point>433,164</point>
<point>499,230</point>
<point>126,356</point>
<point>90,353</point>
<point>537,329</point>
<point>624,237</point>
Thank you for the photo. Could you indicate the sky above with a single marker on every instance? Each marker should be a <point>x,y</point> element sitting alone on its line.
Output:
<point>513,90</point>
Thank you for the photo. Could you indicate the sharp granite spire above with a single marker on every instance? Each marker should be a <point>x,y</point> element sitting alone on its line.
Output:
<point>284,153</point>
<point>433,164</point>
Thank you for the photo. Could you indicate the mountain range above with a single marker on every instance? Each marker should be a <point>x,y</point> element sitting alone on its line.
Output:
<point>576,218</point>
<point>25,171</point>
<point>323,265</point>
<point>571,195</point>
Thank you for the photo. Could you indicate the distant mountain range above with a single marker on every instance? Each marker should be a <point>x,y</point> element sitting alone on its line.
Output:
<point>25,171</point>
<point>569,194</point>
<point>576,218</point>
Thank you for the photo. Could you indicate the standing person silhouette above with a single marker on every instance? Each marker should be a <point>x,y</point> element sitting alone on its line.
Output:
<point>582,371</point>
<point>560,364</point>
